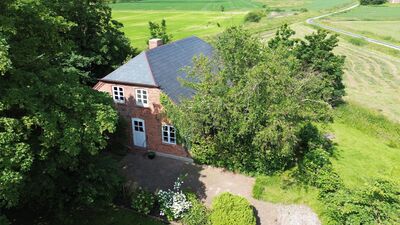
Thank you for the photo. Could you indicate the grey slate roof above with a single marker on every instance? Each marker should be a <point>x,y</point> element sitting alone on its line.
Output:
<point>162,66</point>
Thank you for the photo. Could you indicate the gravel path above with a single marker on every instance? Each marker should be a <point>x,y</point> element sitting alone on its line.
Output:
<point>351,34</point>
<point>207,182</point>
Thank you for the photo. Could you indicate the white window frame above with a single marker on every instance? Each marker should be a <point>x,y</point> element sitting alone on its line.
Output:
<point>142,97</point>
<point>166,131</point>
<point>118,94</point>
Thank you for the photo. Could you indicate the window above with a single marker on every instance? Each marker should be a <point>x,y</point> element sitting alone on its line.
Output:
<point>168,134</point>
<point>142,97</point>
<point>118,94</point>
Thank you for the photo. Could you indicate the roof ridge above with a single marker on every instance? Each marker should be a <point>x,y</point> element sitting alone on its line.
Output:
<point>171,43</point>
<point>151,70</point>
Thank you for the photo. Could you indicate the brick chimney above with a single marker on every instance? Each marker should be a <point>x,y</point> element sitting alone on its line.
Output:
<point>155,42</point>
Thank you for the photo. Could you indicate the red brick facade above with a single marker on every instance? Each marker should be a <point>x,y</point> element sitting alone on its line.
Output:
<point>151,115</point>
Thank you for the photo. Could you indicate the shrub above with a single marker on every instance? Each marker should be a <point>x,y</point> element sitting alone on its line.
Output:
<point>254,16</point>
<point>143,201</point>
<point>197,214</point>
<point>357,41</point>
<point>372,2</point>
<point>4,220</point>
<point>173,203</point>
<point>376,203</point>
<point>228,209</point>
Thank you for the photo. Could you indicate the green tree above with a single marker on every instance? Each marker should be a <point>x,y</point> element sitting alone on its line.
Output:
<point>159,31</point>
<point>96,36</point>
<point>251,107</point>
<point>52,127</point>
<point>316,54</point>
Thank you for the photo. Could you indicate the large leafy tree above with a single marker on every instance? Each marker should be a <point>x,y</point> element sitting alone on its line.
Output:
<point>316,53</point>
<point>52,127</point>
<point>96,36</point>
<point>254,106</point>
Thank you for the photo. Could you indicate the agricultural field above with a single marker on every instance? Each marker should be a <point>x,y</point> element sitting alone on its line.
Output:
<point>204,18</point>
<point>180,24</point>
<point>379,22</point>
<point>310,5</point>
<point>187,5</point>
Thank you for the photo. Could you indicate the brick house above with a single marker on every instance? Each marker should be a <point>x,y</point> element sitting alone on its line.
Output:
<point>136,87</point>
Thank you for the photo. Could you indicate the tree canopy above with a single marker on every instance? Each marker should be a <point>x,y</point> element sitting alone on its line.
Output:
<point>53,127</point>
<point>255,103</point>
<point>159,31</point>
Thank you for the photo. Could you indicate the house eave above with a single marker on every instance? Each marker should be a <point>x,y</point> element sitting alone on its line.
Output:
<point>128,83</point>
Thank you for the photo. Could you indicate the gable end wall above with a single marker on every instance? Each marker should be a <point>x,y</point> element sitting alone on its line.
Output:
<point>151,115</point>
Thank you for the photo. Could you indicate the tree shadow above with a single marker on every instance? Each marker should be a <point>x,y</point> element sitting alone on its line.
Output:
<point>161,173</point>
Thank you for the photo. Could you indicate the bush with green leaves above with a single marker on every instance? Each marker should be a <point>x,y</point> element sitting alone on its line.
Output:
<point>228,209</point>
<point>173,203</point>
<point>378,202</point>
<point>254,16</point>
<point>198,214</point>
<point>143,201</point>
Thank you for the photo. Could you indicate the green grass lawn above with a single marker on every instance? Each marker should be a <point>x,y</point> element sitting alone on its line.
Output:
<point>187,5</point>
<point>367,146</point>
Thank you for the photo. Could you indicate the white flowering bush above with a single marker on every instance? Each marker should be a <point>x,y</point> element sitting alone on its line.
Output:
<point>173,203</point>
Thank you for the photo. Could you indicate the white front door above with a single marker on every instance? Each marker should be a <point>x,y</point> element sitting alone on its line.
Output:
<point>139,132</point>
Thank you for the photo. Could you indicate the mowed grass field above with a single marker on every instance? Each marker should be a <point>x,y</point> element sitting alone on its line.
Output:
<point>379,22</point>
<point>308,4</point>
<point>180,24</point>
<point>187,5</point>
<point>204,18</point>
<point>366,130</point>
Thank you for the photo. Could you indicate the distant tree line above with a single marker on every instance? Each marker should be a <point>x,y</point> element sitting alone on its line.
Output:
<point>372,2</point>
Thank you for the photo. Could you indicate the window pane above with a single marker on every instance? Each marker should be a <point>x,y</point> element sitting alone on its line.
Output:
<point>115,88</point>
<point>172,129</point>
<point>145,101</point>
<point>165,128</point>
<point>120,89</point>
<point>173,140</point>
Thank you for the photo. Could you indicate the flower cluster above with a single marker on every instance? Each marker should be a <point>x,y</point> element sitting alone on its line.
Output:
<point>173,203</point>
